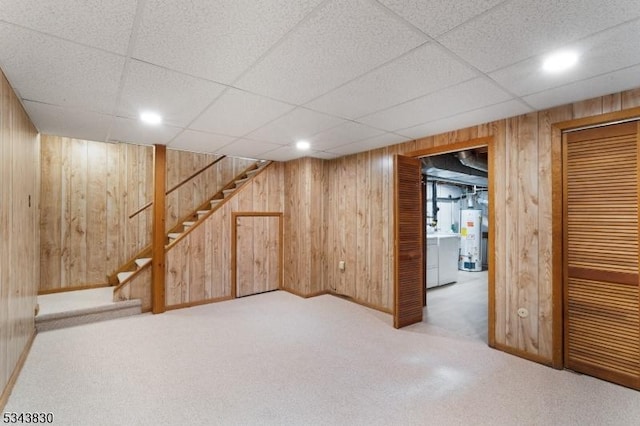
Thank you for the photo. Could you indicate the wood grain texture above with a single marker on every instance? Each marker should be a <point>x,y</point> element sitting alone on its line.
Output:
<point>188,281</point>
<point>409,273</point>
<point>20,233</point>
<point>523,251</point>
<point>257,253</point>
<point>303,218</point>
<point>88,191</point>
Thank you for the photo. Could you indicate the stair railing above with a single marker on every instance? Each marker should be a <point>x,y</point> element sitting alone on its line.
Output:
<point>173,188</point>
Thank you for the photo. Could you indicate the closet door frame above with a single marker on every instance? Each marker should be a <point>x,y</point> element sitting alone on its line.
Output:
<point>557,230</point>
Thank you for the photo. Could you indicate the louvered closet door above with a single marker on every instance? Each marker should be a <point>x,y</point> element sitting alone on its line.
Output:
<point>602,323</point>
<point>409,273</point>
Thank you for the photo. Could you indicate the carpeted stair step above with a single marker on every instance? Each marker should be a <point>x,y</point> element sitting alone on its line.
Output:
<point>172,236</point>
<point>202,213</point>
<point>188,224</point>
<point>122,276</point>
<point>72,318</point>
<point>142,261</point>
<point>228,192</point>
<point>241,181</point>
<point>214,203</point>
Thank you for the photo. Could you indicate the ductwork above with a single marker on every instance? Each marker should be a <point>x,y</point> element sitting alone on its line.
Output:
<point>469,159</point>
<point>447,168</point>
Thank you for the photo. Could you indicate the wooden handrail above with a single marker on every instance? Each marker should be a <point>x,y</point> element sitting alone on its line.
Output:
<point>149,204</point>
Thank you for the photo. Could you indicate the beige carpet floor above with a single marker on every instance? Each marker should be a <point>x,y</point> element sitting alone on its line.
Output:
<point>279,359</point>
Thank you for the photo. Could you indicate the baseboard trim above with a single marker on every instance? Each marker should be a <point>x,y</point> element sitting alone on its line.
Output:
<point>65,289</point>
<point>16,371</point>
<point>306,296</point>
<point>361,303</point>
<point>198,303</point>
<point>522,354</point>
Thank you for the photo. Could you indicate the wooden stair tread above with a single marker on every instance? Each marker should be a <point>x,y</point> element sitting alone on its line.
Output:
<point>188,223</point>
<point>174,235</point>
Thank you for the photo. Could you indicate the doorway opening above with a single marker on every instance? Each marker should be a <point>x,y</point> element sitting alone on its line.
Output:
<point>456,214</point>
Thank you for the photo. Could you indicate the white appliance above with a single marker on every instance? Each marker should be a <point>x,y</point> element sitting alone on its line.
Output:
<point>470,240</point>
<point>442,259</point>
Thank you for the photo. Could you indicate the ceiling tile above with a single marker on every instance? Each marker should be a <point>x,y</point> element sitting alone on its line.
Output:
<point>298,124</point>
<point>217,40</point>
<point>285,153</point>
<point>134,131</point>
<point>341,41</point>
<point>466,119</point>
<point>190,140</point>
<point>616,81</point>
<point>423,70</point>
<point>248,149</point>
<point>59,121</point>
<point>523,28</point>
<point>467,96</point>
<point>435,17</point>
<point>605,52</point>
<point>341,135</point>
<point>98,23</point>
<point>53,71</point>
<point>237,113</point>
<point>175,96</point>
<point>375,142</point>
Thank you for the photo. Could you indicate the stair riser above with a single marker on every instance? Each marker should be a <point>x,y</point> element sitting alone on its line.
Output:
<point>60,321</point>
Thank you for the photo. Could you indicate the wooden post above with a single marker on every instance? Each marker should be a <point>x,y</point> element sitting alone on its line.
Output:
<point>158,230</point>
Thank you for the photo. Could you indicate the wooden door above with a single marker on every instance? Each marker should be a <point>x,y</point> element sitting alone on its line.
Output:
<point>602,322</point>
<point>409,234</point>
<point>257,253</point>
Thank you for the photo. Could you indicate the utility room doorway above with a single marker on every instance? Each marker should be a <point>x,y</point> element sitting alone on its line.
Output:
<point>456,213</point>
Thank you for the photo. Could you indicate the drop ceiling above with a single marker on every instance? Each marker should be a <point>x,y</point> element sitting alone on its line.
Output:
<point>250,77</point>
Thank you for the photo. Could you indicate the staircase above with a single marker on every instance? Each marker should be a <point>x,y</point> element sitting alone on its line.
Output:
<point>142,260</point>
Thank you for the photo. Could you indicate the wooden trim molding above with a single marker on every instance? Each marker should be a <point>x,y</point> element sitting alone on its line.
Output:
<point>522,354</point>
<point>305,296</point>
<point>488,142</point>
<point>158,236</point>
<point>360,302</point>
<point>454,147</point>
<point>65,289</point>
<point>4,397</point>
<point>234,246</point>
<point>596,120</point>
<point>198,303</point>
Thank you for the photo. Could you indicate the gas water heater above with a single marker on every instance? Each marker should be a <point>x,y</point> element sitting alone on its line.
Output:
<point>470,240</point>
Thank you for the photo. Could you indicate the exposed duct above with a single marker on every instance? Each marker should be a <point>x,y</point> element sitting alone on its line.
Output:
<point>447,168</point>
<point>470,159</point>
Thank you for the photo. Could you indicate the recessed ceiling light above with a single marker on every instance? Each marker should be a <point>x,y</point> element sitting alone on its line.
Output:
<point>560,61</point>
<point>303,145</point>
<point>150,118</point>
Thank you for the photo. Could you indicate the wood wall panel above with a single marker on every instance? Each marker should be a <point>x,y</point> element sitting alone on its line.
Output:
<point>199,265</point>
<point>89,190</point>
<point>523,213</point>
<point>305,264</point>
<point>19,233</point>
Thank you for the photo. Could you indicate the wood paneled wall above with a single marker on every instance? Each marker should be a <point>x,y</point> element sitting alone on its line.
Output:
<point>359,227</point>
<point>181,165</point>
<point>198,267</point>
<point>19,232</point>
<point>304,227</point>
<point>359,219</point>
<point>88,191</point>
